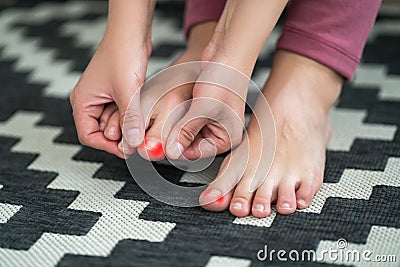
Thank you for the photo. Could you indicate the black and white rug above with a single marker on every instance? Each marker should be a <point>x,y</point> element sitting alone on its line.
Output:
<point>62,204</point>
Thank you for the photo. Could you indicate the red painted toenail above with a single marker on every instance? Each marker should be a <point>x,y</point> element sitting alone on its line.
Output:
<point>215,194</point>
<point>153,146</point>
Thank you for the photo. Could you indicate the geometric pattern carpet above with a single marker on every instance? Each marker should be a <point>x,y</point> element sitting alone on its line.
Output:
<point>63,204</point>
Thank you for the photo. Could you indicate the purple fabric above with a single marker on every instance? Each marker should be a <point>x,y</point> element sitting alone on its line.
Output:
<point>332,32</point>
<point>199,11</point>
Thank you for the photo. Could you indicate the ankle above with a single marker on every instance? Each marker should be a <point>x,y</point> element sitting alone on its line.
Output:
<point>199,37</point>
<point>305,78</point>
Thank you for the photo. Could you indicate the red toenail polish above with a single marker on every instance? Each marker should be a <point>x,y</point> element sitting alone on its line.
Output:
<point>153,146</point>
<point>215,194</point>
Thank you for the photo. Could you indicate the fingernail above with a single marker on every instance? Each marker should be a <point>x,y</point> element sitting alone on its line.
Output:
<point>125,148</point>
<point>285,206</point>
<point>111,130</point>
<point>133,137</point>
<point>214,193</point>
<point>237,205</point>
<point>301,202</point>
<point>102,126</point>
<point>259,207</point>
<point>120,146</point>
<point>175,150</point>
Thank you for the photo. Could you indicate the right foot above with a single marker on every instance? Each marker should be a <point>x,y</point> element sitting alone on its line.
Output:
<point>300,93</point>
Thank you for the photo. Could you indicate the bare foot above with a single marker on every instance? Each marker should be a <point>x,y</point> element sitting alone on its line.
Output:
<point>300,93</point>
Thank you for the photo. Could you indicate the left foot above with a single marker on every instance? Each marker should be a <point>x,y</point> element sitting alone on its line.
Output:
<point>300,93</point>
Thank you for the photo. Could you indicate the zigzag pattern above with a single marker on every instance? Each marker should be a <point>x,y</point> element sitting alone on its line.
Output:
<point>30,56</point>
<point>375,75</point>
<point>119,217</point>
<point>113,209</point>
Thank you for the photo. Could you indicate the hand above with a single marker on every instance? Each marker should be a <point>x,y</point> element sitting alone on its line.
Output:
<point>235,44</point>
<point>215,120</point>
<point>115,74</point>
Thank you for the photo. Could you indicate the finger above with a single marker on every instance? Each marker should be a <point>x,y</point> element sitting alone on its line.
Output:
<point>89,134</point>
<point>125,149</point>
<point>207,144</point>
<point>113,130</point>
<point>131,118</point>
<point>105,116</point>
<point>184,133</point>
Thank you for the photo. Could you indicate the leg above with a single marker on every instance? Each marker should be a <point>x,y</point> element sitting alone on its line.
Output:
<point>301,111</point>
<point>327,39</point>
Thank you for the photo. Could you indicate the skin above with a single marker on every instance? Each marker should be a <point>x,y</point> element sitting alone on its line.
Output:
<point>239,36</point>
<point>113,76</point>
<point>198,39</point>
<point>298,103</point>
<point>302,136</point>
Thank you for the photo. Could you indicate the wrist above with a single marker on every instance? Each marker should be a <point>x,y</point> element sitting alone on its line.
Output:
<point>125,44</point>
<point>129,22</point>
<point>239,57</point>
<point>200,36</point>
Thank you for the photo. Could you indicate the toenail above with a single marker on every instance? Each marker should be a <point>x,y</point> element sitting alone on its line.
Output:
<point>301,202</point>
<point>134,137</point>
<point>237,205</point>
<point>285,206</point>
<point>214,193</point>
<point>175,149</point>
<point>153,146</point>
<point>151,142</point>
<point>102,126</point>
<point>259,207</point>
<point>111,130</point>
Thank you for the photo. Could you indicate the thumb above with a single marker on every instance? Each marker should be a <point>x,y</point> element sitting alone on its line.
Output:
<point>184,133</point>
<point>130,114</point>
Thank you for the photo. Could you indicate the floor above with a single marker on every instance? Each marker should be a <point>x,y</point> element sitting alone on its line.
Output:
<point>62,204</point>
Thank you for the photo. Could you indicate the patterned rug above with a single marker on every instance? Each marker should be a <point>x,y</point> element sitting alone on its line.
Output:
<point>62,204</point>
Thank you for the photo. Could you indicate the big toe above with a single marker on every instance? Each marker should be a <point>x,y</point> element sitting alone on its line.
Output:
<point>214,200</point>
<point>152,147</point>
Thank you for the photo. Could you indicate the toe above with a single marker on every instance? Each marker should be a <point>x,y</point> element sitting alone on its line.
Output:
<point>213,200</point>
<point>113,130</point>
<point>263,198</point>
<point>218,195</point>
<point>152,147</point>
<point>240,204</point>
<point>286,203</point>
<point>241,201</point>
<point>305,193</point>
<point>108,111</point>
